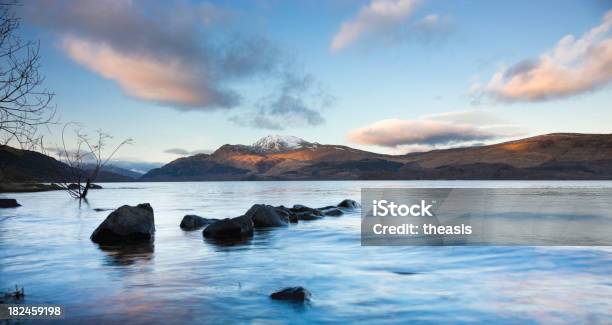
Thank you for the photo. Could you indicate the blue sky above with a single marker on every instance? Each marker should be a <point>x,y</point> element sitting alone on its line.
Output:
<point>384,75</point>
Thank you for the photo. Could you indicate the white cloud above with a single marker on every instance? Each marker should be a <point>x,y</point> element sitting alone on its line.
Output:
<point>185,152</point>
<point>575,66</point>
<point>471,117</point>
<point>435,131</point>
<point>379,17</point>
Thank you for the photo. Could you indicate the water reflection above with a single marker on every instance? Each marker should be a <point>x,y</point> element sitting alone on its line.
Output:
<point>228,242</point>
<point>128,254</point>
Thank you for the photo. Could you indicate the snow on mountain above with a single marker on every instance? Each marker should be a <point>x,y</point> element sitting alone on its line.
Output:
<point>277,143</point>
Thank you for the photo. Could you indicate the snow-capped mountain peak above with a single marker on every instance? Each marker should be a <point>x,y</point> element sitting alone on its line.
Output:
<point>276,143</point>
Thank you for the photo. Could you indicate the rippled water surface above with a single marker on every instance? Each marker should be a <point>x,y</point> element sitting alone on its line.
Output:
<point>181,278</point>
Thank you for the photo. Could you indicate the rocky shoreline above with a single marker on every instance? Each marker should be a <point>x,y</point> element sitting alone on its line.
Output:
<point>38,187</point>
<point>6,203</point>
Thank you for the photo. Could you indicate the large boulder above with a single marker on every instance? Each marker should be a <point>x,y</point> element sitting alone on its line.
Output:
<point>305,213</point>
<point>235,228</point>
<point>126,224</point>
<point>349,204</point>
<point>293,294</point>
<point>192,222</point>
<point>8,203</point>
<point>267,216</point>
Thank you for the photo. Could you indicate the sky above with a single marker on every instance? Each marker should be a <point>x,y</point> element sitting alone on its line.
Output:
<point>390,76</point>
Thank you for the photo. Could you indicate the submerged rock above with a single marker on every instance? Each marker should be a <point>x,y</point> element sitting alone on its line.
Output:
<point>192,222</point>
<point>235,228</point>
<point>305,213</point>
<point>267,216</point>
<point>126,224</point>
<point>331,211</point>
<point>13,296</point>
<point>294,294</point>
<point>74,186</point>
<point>349,204</point>
<point>8,203</point>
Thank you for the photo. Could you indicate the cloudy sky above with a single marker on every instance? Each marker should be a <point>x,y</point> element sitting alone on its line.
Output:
<point>390,76</point>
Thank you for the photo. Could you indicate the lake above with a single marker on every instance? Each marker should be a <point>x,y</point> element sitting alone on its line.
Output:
<point>181,278</point>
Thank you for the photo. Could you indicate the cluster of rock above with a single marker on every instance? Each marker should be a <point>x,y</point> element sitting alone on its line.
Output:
<point>136,224</point>
<point>262,216</point>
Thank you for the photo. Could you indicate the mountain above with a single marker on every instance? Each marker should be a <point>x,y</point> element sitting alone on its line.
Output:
<point>555,156</point>
<point>195,168</point>
<point>18,165</point>
<point>111,168</point>
<point>135,168</point>
<point>551,156</point>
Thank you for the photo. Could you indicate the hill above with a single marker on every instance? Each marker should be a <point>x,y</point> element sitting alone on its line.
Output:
<point>551,156</point>
<point>18,165</point>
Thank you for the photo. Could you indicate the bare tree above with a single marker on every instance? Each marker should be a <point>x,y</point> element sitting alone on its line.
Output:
<point>85,160</point>
<point>24,103</point>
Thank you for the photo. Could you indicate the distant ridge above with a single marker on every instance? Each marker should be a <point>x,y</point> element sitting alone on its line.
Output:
<point>18,165</point>
<point>554,156</point>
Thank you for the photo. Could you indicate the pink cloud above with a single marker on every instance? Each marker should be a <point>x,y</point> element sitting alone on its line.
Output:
<point>377,17</point>
<point>145,77</point>
<point>574,66</point>
<point>435,131</point>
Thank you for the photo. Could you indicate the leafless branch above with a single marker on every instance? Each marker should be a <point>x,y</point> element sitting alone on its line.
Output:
<point>86,158</point>
<point>24,104</point>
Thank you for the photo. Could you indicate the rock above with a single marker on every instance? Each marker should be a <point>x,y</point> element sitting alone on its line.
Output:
<point>8,203</point>
<point>74,186</point>
<point>331,211</point>
<point>282,210</point>
<point>192,222</point>
<point>126,224</point>
<point>306,213</point>
<point>266,216</point>
<point>294,294</point>
<point>349,204</point>
<point>297,208</point>
<point>235,228</point>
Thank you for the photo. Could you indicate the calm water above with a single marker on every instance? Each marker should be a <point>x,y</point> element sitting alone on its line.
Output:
<point>182,278</point>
